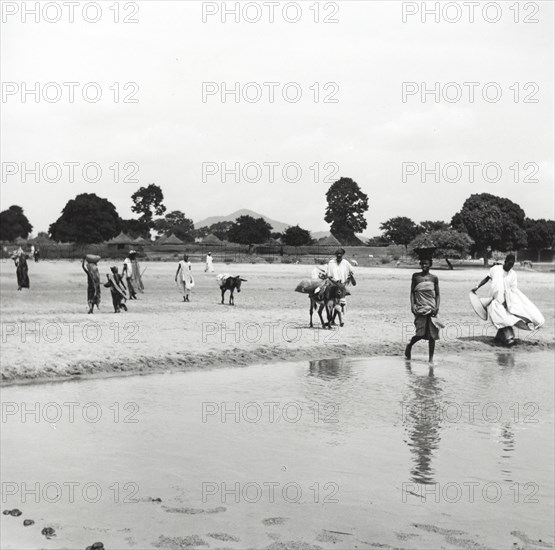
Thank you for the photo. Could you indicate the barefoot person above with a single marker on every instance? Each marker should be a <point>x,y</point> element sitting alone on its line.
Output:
<point>186,282</point>
<point>509,307</point>
<point>132,274</point>
<point>424,302</point>
<point>117,288</point>
<point>209,263</point>
<point>21,268</point>
<point>93,281</point>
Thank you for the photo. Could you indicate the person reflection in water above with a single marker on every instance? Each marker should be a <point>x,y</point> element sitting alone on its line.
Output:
<point>422,420</point>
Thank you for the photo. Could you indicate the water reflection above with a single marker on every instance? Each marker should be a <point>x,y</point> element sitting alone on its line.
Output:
<point>505,359</point>
<point>422,421</point>
<point>327,369</point>
<point>507,440</point>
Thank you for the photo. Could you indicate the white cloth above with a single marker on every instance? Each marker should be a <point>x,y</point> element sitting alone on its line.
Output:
<point>186,275</point>
<point>510,306</point>
<point>209,265</point>
<point>221,278</point>
<point>339,272</point>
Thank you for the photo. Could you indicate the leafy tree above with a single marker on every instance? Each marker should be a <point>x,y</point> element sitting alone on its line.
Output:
<point>86,219</point>
<point>247,230</point>
<point>220,229</point>
<point>347,205</point>
<point>135,228</point>
<point>177,223</point>
<point>492,221</point>
<point>297,236</point>
<point>540,234</point>
<point>448,242</point>
<point>378,240</point>
<point>428,226</point>
<point>14,224</point>
<point>43,236</point>
<point>399,230</point>
<point>147,201</point>
<point>276,235</point>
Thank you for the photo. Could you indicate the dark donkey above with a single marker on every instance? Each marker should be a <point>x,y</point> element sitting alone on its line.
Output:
<point>232,284</point>
<point>329,298</point>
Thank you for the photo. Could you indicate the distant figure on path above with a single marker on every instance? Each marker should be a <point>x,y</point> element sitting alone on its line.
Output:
<point>209,265</point>
<point>93,282</point>
<point>36,255</point>
<point>117,288</point>
<point>132,274</point>
<point>509,307</point>
<point>21,268</point>
<point>186,281</point>
<point>424,302</point>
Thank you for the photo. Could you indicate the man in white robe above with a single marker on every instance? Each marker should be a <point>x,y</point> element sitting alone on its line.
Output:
<point>509,306</point>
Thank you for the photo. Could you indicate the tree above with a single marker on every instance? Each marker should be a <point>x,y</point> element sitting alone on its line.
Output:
<point>297,236</point>
<point>347,205</point>
<point>540,234</point>
<point>399,230</point>
<point>135,228</point>
<point>177,223</point>
<point>429,226</point>
<point>492,221</point>
<point>147,201</point>
<point>448,242</point>
<point>86,219</point>
<point>378,240</point>
<point>247,230</point>
<point>220,229</point>
<point>14,223</point>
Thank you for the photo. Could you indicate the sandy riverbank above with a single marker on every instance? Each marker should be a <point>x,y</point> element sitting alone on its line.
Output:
<point>47,334</point>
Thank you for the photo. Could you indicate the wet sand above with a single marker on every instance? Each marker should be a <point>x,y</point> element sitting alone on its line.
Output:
<point>47,334</point>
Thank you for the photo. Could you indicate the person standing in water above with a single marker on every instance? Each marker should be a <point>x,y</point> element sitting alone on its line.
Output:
<point>93,284</point>
<point>186,281</point>
<point>424,303</point>
<point>509,307</point>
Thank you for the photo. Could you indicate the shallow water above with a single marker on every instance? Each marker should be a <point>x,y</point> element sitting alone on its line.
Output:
<point>336,453</point>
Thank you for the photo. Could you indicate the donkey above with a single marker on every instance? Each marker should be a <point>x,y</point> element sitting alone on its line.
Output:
<point>232,284</point>
<point>332,293</point>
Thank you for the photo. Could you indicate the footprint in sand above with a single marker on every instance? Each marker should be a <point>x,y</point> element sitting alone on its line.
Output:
<point>178,543</point>
<point>194,511</point>
<point>223,537</point>
<point>274,521</point>
<point>527,540</point>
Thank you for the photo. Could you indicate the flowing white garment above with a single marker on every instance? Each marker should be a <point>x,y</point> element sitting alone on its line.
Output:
<point>510,307</point>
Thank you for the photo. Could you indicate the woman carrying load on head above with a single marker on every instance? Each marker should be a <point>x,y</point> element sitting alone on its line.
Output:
<point>93,281</point>
<point>21,268</point>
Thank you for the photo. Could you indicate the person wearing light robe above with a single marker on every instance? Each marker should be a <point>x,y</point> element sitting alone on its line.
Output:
<point>424,302</point>
<point>509,307</point>
<point>209,263</point>
<point>338,270</point>
<point>184,277</point>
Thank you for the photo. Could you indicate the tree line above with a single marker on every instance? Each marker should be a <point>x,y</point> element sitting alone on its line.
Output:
<point>485,222</point>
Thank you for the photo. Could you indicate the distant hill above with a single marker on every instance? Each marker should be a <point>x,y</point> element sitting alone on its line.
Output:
<point>207,222</point>
<point>279,227</point>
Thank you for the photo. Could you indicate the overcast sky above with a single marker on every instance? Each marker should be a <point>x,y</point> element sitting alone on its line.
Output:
<point>369,133</point>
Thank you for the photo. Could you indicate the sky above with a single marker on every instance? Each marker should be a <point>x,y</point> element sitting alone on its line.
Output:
<point>351,119</point>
